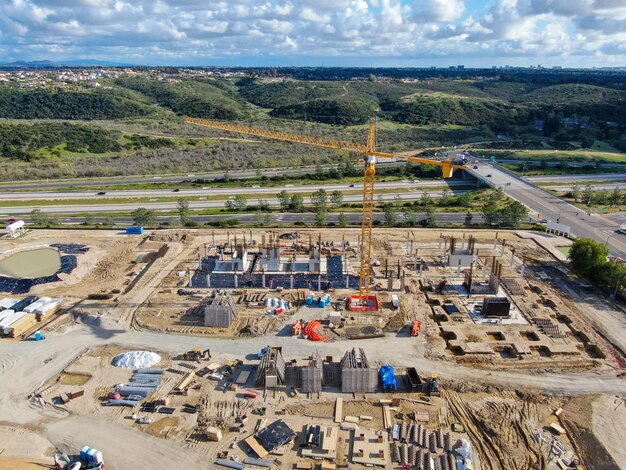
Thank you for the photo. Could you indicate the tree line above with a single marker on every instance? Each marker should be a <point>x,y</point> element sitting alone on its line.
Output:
<point>590,259</point>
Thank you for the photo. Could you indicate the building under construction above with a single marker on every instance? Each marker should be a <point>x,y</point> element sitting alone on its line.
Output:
<point>312,375</point>
<point>357,376</point>
<point>271,370</point>
<point>288,263</point>
<point>221,311</point>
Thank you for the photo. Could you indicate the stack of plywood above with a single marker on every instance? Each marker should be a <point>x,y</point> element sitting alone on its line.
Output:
<point>214,434</point>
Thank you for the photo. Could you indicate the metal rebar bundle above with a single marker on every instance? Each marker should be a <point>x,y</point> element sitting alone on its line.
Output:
<point>405,454</point>
<point>432,442</point>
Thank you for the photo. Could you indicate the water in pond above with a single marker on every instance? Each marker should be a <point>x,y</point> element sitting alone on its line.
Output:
<point>39,262</point>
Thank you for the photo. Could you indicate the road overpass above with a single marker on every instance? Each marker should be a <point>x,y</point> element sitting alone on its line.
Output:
<point>544,205</point>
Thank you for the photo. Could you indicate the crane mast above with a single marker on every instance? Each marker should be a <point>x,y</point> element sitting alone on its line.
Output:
<point>370,157</point>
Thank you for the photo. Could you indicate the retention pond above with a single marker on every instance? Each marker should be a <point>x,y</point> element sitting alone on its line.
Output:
<point>35,263</point>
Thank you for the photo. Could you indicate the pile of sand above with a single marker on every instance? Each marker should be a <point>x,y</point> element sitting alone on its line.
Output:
<point>136,359</point>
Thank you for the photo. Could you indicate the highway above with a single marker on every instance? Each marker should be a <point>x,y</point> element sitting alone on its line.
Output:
<point>193,205</point>
<point>595,177</point>
<point>208,191</point>
<point>214,175</point>
<point>544,205</point>
<point>109,182</point>
<point>292,218</point>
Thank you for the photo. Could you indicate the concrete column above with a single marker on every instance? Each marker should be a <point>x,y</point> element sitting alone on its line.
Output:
<point>512,258</point>
<point>319,282</point>
<point>291,282</point>
<point>347,281</point>
<point>236,281</point>
<point>495,243</point>
<point>263,279</point>
<point>440,242</point>
<point>502,248</point>
<point>189,276</point>
<point>463,242</point>
<point>208,280</point>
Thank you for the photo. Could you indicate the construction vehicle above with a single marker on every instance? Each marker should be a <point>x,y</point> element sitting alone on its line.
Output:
<point>416,326</point>
<point>196,355</point>
<point>370,156</point>
<point>433,386</point>
<point>64,462</point>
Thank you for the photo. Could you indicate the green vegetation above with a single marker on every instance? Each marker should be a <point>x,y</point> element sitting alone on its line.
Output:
<point>339,110</point>
<point>589,258</point>
<point>593,199</point>
<point>29,141</point>
<point>442,108</point>
<point>135,126</point>
<point>501,211</point>
<point>16,103</point>
<point>574,99</point>
<point>143,217</point>
<point>191,97</point>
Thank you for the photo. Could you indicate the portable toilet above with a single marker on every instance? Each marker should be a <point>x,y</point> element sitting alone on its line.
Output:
<point>38,336</point>
<point>83,452</point>
<point>309,299</point>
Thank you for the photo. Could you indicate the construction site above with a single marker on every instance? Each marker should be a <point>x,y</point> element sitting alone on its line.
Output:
<point>211,348</point>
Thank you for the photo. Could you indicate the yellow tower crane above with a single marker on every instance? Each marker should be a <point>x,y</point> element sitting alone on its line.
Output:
<point>370,156</point>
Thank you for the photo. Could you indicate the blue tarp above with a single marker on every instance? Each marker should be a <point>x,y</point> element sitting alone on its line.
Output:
<point>388,378</point>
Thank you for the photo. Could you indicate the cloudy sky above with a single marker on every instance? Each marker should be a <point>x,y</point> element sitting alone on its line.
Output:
<point>317,32</point>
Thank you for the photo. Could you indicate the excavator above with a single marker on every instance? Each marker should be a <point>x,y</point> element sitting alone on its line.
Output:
<point>196,354</point>
<point>370,157</point>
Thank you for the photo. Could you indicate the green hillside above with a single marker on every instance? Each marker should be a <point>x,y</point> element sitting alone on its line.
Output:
<point>16,103</point>
<point>441,108</point>
<point>579,100</point>
<point>337,110</point>
<point>191,97</point>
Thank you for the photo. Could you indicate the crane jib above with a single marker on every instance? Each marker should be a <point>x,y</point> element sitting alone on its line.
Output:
<point>369,165</point>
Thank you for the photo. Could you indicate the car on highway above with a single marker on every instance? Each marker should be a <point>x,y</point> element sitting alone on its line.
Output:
<point>489,175</point>
<point>475,167</point>
<point>175,190</point>
<point>100,193</point>
<point>12,219</point>
<point>351,186</point>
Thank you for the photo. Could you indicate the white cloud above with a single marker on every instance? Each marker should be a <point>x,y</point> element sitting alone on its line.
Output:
<point>309,14</point>
<point>184,31</point>
<point>441,10</point>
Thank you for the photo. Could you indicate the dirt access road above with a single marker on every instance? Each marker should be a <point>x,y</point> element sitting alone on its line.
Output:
<point>26,365</point>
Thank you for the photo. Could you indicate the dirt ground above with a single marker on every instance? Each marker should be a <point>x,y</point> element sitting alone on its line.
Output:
<point>506,422</point>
